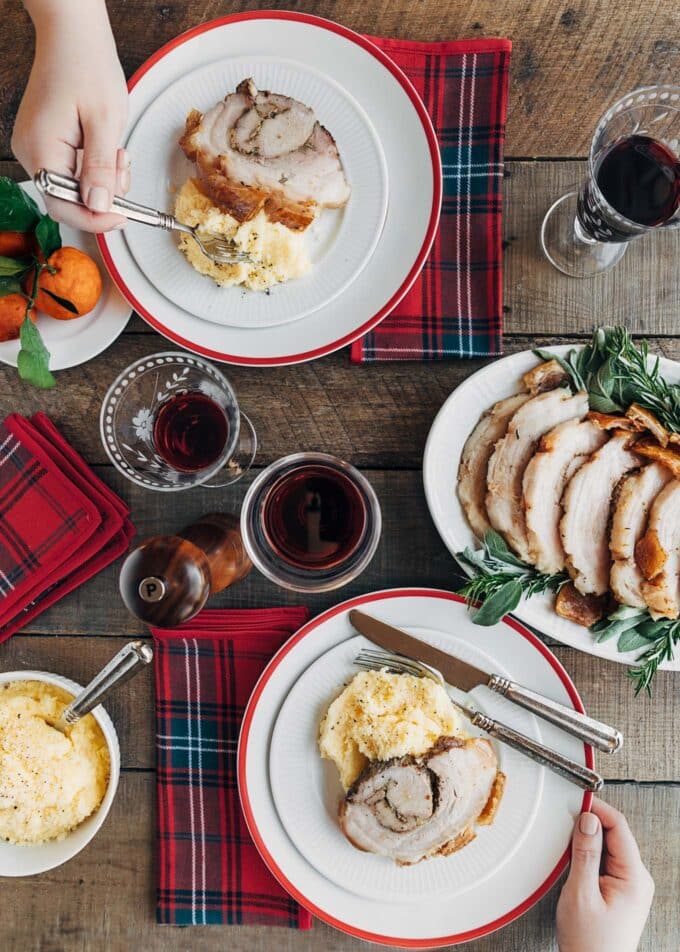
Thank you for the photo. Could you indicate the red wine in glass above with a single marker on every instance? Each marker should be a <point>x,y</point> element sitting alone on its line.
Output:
<point>639,177</point>
<point>190,431</point>
<point>314,517</point>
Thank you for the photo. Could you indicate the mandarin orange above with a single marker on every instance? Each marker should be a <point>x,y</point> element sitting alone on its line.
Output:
<point>76,279</point>
<point>12,314</point>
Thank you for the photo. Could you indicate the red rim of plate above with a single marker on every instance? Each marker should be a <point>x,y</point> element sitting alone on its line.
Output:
<point>255,833</point>
<point>436,191</point>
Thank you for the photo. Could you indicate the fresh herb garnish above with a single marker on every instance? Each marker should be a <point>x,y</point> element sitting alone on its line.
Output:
<point>502,580</point>
<point>635,628</point>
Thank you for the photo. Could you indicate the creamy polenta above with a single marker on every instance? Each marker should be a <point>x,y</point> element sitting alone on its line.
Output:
<point>279,254</point>
<point>49,782</point>
<point>380,715</point>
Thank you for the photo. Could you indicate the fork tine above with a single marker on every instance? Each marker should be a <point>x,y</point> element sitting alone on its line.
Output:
<point>380,660</point>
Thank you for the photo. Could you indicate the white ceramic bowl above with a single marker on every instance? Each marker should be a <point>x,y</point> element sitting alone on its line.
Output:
<point>31,858</point>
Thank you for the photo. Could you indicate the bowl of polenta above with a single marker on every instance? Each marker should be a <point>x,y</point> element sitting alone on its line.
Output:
<point>56,788</point>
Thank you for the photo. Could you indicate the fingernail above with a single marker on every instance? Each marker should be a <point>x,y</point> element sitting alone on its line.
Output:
<point>124,177</point>
<point>588,824</point>
<point>98,199</point>
<point>123,159</point>
<point>118,226</point>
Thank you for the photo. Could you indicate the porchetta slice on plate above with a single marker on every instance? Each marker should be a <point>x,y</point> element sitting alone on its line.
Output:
<point>258,149</point>
<point>560,453</point>
<point>658,554</point>
<point>411,808</point>
<point>633,500</point>
<point>584,527</point>
<point>504,500</point>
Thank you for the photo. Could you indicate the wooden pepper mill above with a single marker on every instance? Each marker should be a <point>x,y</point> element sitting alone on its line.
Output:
<point>167,579</point>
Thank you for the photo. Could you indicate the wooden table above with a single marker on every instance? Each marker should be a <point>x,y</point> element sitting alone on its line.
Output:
<point>570,59</point>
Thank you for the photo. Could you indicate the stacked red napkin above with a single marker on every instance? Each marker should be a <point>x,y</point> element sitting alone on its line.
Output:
<point>209,870</point>
<point>59,523</point>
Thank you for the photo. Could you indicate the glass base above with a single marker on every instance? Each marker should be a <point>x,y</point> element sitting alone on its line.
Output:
<point>568,249</point>
<point>241,460</point>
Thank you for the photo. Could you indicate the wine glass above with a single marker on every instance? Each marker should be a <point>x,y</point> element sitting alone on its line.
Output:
<point>632,185</point>
<point>171,421</point>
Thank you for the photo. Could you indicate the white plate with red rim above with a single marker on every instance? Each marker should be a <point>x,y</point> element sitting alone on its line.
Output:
<point>450,429</point>
<point>339,242</point>
<point>71,343</point>
<point>396,113</point>
<point>502,891</point>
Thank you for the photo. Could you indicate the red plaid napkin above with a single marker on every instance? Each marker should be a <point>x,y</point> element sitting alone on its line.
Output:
<point>454,308</point>
<point>59,524</point>
<point>209,870</point>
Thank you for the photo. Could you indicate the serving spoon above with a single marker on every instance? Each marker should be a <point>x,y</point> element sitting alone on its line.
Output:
<point>219,249</point>
<point>123,666</point>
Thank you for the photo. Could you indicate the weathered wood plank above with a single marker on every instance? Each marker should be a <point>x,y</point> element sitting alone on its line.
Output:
<point>377,415</point>
<point>104,898</point>
<point>579,47</point>
<point>651,751</point>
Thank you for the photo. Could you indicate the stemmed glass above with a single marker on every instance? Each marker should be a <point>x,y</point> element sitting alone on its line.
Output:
<point>634,163</point>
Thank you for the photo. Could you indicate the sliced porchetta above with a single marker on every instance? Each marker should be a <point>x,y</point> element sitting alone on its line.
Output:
<point>560,453</point>
<point>257,149</point>
<point>658,554</point>
<point>584,527</point>
<point>633,500</point>
<point>504,499</point>
<point>411,808</point>
<point>475,460</point>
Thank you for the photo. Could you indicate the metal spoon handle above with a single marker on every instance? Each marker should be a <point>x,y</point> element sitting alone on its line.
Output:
<point>582,776</point>
<point>123,666</point>
<point>67,188</point>
<point>586,728</point>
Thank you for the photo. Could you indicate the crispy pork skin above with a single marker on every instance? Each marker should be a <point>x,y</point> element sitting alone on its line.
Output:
<point>412,808</point>
<point>560,453</point>
<point>633,500</point>
<point>475,460</point>
<point>257,149</point>
<point>658,554</point>
<point>584,527</point>
<point>504,498</point>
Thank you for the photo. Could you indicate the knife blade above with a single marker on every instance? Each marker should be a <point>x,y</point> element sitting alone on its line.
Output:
<point>465,677</point>
<point>458,673</point>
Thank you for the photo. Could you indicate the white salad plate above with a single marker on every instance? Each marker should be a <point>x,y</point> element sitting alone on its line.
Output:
<point>340,242</point>
<point>290,796</point>
<point>370,107</point>
<point>71,343</point>
<point>443,450</point>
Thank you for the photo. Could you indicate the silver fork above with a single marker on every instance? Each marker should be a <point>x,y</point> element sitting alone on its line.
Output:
<point>219,249</point>
<point>583,777</point>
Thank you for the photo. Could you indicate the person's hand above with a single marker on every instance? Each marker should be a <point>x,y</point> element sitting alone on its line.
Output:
<point>74,109</point>
<point>607,896</point>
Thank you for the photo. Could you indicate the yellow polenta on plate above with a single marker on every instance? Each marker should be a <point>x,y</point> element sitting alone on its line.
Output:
<point>278,253</point>
<point>380,715</point>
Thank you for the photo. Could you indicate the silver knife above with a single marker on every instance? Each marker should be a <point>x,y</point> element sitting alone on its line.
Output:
<point>466,676</point>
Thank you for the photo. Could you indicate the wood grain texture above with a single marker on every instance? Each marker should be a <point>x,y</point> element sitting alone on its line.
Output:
<point>104,898</point>
<point>571,59</point>
<point>651,750</point>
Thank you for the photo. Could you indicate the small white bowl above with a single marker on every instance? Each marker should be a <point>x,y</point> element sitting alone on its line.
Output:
<point>27,859</point>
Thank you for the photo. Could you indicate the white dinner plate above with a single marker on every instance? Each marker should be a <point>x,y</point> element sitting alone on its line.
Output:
<point>71,343</point>
<point>307,789</point>
<point>367,80</point>
<point>457,911</point>
<point>443,449</point>
<point>340,242</point>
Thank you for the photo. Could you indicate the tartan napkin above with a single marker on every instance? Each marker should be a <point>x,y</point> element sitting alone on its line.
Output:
<point>59,524</point>
<point>454,308</point>
<point>209,870</point>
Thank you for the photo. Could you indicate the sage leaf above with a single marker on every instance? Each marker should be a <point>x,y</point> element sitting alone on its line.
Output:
<point>48,235</point>
<point>34,358</point>
<point>18,211</point>
<point>505,600</point>
<point>632,639</point>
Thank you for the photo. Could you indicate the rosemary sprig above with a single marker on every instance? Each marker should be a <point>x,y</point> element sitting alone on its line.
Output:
<point>635,628</point>
<point>615,373</point>
<point>501,579</point>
